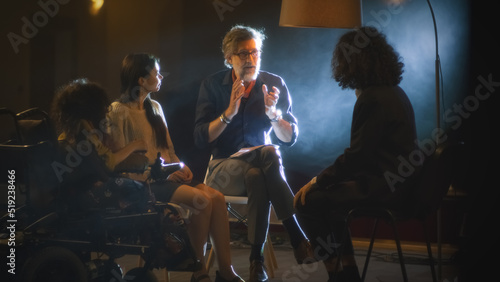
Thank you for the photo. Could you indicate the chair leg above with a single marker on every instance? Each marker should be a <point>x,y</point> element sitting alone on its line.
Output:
<point>400,251</point>
<point>429,252</point>
<point>236,214</point>
<point>270,248</point>
<point>370,248</point>
<point>166,275</point>
<point>210,259</point>
<point>268,260</point>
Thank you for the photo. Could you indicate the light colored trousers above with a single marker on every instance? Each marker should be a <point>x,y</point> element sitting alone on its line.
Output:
<point>259,175</point>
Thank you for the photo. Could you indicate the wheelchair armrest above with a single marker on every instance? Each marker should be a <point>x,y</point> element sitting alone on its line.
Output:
<point>160,172</point>
<point>43,221</point>
<point>17,147</point>
<point>134,163</point>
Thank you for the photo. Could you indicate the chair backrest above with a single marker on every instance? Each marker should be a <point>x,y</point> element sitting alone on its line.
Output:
<point>35,126</point>
<point>10,133</point>
<point>29,151</point>
<point>435,178</point>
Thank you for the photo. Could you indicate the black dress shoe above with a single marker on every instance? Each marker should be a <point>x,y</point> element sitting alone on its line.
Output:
<point>219,278</point>
<point>258,271</point>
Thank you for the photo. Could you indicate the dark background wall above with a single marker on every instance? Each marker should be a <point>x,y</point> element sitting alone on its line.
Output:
<point>70,42</point>
<point>46,43</point>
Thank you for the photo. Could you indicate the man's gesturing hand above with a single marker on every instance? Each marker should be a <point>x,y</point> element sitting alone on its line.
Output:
<point>270,101</point>
<point>236,94</point>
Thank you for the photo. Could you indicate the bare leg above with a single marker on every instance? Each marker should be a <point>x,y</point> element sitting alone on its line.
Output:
<point>219,231</point>
<point>200,221</point>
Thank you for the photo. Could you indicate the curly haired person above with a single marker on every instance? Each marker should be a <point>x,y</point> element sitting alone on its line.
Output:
<point>383,128</point>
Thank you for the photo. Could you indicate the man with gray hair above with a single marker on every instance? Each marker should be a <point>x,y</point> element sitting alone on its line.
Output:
<point>243,114</point>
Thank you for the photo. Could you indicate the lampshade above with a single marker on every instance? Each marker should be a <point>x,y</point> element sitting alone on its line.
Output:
<point>321,13</point>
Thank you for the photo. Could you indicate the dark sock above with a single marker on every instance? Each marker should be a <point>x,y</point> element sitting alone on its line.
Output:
<point>256,252</point>
<point>294,231</point>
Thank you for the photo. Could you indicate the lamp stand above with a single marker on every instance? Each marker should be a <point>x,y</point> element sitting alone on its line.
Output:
<point>437,66</point>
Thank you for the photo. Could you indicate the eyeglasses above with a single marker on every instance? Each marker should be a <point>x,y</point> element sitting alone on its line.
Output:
<point>243,55</point>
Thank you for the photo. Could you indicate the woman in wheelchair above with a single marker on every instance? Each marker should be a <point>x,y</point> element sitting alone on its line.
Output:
<point>135,116</point>
<point>79,110</point>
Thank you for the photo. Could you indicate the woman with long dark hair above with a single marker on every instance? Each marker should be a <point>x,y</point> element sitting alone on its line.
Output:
<point>135,116</point>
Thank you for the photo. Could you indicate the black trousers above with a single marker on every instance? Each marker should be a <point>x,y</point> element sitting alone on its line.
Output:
<point>259,175</point>
<point>322,217</point>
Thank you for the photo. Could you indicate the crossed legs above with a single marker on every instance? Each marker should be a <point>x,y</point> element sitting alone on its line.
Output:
<point>258,175</point>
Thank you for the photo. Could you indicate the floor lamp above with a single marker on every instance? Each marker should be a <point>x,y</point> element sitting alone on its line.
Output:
<point>348,14</point>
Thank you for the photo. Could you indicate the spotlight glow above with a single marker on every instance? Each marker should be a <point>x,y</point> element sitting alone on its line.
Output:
<point>96,6</point>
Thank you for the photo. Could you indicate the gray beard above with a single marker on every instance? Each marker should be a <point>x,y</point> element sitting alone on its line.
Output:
<point>251,77</point>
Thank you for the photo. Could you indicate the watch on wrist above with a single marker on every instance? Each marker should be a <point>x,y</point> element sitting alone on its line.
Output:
<point>277,117</point>
<point>224,119</point>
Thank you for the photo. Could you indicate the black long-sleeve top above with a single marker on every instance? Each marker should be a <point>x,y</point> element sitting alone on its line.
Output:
<point>383,135</point>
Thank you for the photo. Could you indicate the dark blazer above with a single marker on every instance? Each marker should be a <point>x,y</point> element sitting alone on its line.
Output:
<point>383,135</point>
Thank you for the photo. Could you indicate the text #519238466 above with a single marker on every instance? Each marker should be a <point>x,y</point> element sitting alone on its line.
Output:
<point>11,221</point>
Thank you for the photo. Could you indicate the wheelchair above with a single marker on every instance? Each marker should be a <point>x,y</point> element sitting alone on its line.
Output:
<point>46,234</point>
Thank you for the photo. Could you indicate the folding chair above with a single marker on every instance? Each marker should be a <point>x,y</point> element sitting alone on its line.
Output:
<point>435,179</point>
<point>269,256</point>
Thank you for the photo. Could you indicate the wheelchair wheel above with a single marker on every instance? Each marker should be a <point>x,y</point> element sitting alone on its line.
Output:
<point>103,271</point>
<point>54,264</point>
<point>140,274</point>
